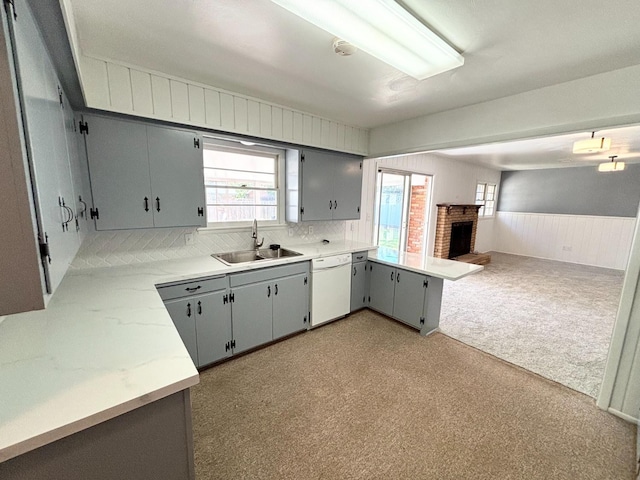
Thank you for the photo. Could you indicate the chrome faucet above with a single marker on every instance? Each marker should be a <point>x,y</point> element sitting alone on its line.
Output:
<point>254,235</point>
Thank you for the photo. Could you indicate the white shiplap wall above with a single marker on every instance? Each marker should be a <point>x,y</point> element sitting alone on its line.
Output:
<point>589,240</point>
<point>133,90</point>
<point>453,182</point>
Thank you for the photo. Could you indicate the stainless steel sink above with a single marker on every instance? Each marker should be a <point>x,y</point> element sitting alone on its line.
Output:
<point>246,256</point>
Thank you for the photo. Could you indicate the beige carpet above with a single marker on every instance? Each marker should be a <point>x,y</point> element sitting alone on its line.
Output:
<point>552,318</point>
<point>367,398</point>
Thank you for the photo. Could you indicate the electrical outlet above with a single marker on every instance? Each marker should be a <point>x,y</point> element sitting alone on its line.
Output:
<point>188,239</point>
<point>310,230</point>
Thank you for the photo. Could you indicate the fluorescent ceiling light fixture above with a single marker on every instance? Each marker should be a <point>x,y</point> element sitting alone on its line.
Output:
<point>383,29</point>
<point>592,145</point>
<point>611,166</point>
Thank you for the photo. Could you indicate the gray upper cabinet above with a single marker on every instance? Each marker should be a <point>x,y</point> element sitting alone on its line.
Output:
<point>144,176</point>
<point>177,178</point>
<point>323,185</point>
<point>119,164</point>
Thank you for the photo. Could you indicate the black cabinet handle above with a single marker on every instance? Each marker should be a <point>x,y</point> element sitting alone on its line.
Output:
<point>276,289</point>
<point>158,203</point>
<point>354,271</point>
<point>188,309</point>
<point>199,308</point>
<point>359,257</point>
<point>330,204</point>
<point>268,291</point>
<point>146,204</point>
<point>335,204</point>
<point>392,276</point>
<point>193,289</point>
<point>398,277</point>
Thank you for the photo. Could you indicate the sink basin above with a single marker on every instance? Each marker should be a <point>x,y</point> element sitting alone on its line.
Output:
<point>246,256</point>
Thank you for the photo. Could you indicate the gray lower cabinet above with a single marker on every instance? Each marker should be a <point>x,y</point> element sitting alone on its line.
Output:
<point>201,312</point>
<point>181,312</point>
<point>401,294</point>
<point>359,281</point>
<point>268,304</point>
<point>252,315</point>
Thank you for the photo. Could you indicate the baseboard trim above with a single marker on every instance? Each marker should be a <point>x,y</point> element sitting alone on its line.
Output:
<point>623,415</point>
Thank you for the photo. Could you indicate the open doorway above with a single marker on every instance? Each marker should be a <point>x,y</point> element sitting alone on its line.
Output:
<point>402,208</point>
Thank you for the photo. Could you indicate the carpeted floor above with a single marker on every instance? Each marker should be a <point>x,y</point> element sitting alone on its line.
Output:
<point>367,398</point>
<point>553,318</point>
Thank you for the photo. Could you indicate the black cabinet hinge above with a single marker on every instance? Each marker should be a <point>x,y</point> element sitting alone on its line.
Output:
<point>196,143</point>
<point>358,209</point>
<point>421,320</point>
<point>302,210</point>
<point>84,127</point>
<point>94,213</point>
<point>201,211</point>
<point>60,96</point>
<point>425,284</point>
<point>304,320</point>
<point>45,253</point>
<point>305,280</point>
<point>302,157</point>
<point>369,299</point>
<point>13,7</point>
<point>233,344</point>
<point>232,298</point>
<point>227,346</point>
<point>225,299</point>
<point>360,165</point>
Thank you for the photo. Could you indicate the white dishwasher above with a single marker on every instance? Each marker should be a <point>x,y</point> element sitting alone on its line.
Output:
<point>330,288</point>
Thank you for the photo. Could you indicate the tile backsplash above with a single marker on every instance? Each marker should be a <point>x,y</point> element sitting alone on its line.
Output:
<point>122,247</point>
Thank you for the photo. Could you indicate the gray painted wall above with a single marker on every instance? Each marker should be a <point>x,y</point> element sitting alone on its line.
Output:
<point>571,191</point>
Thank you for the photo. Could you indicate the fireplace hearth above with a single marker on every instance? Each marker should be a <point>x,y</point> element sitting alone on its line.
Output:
<point>456,227</point>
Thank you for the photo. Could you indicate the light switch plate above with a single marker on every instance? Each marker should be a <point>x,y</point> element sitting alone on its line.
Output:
<point>310,230</point>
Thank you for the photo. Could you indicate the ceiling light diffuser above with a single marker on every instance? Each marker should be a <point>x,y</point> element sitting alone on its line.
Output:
<point>592,145</point>
<point>611,166</point>
<point>383,29</point>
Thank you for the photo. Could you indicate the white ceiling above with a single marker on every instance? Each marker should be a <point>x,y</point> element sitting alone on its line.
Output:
<point>257,48</point>
<point>550,152</point>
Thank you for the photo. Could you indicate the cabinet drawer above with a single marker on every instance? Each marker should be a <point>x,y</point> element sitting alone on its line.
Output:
<point>359,256</point>
<point>266,274</point>
<point>176,290</point>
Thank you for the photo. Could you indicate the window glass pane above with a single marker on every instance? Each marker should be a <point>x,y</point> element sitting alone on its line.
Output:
<point>246,161</point>
<point>242,213</point>
<point>239,178</point>
<point>491,191</point>
<point>489,207</point>
<point>481,212</point>
<point>240,196</point>
<point>480,188</point>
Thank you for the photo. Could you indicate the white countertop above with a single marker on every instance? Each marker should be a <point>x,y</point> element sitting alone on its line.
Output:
<point>436,267</point>
<point>106,345</point>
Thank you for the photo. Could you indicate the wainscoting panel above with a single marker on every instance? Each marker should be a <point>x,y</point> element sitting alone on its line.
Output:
<point>588,240</point>
<point>123,88</point>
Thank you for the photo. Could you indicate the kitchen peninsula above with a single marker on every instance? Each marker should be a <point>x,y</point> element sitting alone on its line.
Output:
<point>103,370</point>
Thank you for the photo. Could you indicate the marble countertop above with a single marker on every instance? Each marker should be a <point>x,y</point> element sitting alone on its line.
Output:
<point>436,267</point>
<point>106,345</point>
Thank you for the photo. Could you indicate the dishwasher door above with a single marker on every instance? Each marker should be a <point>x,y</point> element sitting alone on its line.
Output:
<point>330,292</point>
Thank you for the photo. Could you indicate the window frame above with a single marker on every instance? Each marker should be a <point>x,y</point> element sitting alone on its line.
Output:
<point>482,211</point>
<point>213,143</point>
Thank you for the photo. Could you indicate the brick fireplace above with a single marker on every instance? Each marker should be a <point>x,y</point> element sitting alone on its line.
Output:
<point>461,219</point>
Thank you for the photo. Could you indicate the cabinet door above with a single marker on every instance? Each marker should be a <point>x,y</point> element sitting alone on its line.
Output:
<point>408,304</point>
<point>347,188</point>
<point>177,178</point>
<point>182,313</point>
<point>358,286</point>
<point>119,169</point>
<point>213,327</point>
<point>381,289</point>
<point>251,315</point>
<point>317,185</point>
<point>290,305</point>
